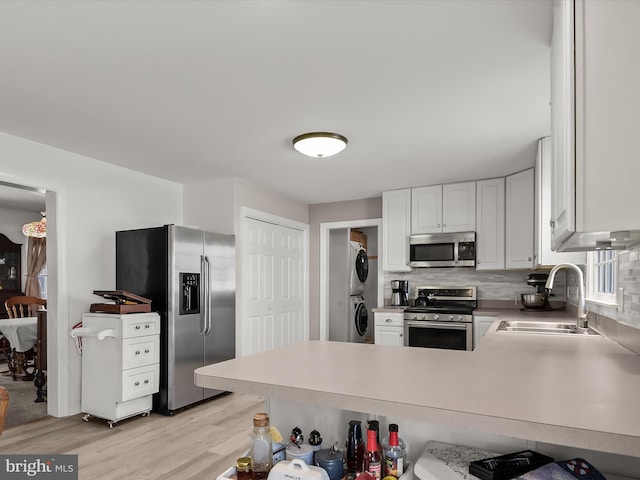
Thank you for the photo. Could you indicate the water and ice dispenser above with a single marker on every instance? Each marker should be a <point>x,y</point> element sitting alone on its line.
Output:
<point>190,293</point>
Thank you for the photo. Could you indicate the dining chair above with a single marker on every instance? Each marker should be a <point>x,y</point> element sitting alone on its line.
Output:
<point>24,306</point>
<point>20,307</point>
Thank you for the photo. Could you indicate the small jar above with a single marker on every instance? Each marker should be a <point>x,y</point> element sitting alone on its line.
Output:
<point>243,467</point>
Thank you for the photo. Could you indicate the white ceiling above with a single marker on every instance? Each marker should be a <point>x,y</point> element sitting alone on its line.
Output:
<point>426,91</point>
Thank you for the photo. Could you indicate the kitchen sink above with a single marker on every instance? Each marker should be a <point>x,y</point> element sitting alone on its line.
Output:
<point>554,328</point>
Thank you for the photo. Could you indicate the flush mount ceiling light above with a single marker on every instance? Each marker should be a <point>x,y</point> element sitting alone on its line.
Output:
<point>319,144</point>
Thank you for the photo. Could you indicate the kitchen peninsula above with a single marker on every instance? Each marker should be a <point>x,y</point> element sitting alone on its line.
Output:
<point>575,391</point>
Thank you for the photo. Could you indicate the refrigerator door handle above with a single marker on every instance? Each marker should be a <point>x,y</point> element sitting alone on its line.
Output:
<point>207,319</point>
<point>204,295</point>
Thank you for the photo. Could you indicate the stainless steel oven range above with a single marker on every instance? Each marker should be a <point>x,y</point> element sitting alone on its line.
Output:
<point>442,317</point>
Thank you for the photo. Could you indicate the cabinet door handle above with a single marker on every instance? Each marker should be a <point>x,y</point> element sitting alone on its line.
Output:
<point>552,223</point>
<point>444,225</point>
<point>147,326</point>
<point>478,262</point>
<point>137,352</point>
<point>529,258</point>
<point>146,350</point>
<point>388,320</point>
<point>137,327</point>
<point>146,381</point>
<point>438,226</point>
<point>137,383</point>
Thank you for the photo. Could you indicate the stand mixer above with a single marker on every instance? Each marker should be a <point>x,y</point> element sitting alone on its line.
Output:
<point>540,299</point>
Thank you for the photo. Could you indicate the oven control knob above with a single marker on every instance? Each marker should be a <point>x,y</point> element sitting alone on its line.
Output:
<point>459,318</point>
<point>415,317</point>
<point>436,317</point>
<point>451,317</point>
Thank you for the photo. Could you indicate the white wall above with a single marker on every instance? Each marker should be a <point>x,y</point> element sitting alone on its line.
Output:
<point>209,205</point>
<point>215,204</point>
<point>94,199</point>
<point>11,222</point>
<point>254,196</point>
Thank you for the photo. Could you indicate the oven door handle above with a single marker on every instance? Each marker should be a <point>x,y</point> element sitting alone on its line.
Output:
<point>442,325</point>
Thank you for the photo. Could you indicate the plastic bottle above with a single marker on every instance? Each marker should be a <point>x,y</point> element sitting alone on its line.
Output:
<point>395,456</point>
<point>372,460</point>
<point>261,450</point>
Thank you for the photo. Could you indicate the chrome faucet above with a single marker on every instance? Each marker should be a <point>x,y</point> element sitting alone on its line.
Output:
<point>582,303</point>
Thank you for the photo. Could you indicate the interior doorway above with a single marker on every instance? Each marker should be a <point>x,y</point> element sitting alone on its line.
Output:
<point>57,354</point>
<point>372,227</point>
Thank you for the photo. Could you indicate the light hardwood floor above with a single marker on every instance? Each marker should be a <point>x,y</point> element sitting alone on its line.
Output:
<point>198,443</point>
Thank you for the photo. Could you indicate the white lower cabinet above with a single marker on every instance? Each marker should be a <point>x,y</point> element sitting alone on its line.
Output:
<point>481,325</point>
<point>120,364</point>
<point>389,328</point>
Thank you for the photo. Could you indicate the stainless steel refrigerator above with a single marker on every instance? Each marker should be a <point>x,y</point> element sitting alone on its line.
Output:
<point>189,276</point>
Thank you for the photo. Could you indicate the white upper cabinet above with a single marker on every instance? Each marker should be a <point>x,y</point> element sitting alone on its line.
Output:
<point>426,209</point>
<point>396,228</point>
<point>519,220</point>
<point>543,254</point>
<point>490,224</point>
<point>562,183</point>
<point>444,208</point>
<point>595,72</point>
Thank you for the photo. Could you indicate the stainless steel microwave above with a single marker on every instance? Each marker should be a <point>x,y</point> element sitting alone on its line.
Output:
<point>443,250</point>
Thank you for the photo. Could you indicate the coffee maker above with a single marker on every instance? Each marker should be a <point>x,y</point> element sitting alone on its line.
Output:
<point>400,292</point>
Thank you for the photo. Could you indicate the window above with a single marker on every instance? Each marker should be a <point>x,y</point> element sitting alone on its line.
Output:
<point>602,276</point>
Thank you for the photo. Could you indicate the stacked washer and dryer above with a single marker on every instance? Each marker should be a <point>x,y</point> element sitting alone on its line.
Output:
<point>348,271</point>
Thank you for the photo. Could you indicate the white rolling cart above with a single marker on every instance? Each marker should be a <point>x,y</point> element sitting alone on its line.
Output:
<point>120,364</point>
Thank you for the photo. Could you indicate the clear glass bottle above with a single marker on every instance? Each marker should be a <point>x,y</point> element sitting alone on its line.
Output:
<point>395,455</point>
<point>372,460</point>
<point>261,450</point>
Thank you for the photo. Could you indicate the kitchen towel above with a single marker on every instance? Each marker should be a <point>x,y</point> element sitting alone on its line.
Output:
<point>564,470</point>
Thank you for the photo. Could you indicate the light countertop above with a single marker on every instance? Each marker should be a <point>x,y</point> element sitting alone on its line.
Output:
<point>568,390</point>
<point>389,309</point>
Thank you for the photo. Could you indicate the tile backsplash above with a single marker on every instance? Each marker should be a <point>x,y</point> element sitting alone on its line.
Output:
<point>628,279</point>
<point>492,285</point>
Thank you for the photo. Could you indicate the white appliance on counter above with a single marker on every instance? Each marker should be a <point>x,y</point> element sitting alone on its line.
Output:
<point>120,364</point>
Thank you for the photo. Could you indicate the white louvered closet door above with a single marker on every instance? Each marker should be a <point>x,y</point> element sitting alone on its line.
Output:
<point>272,286</point>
